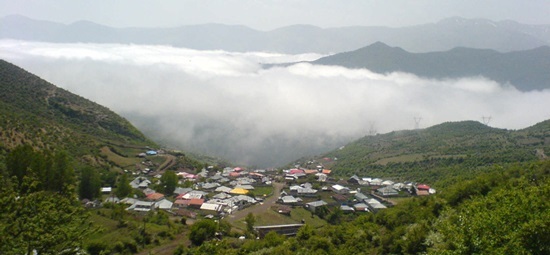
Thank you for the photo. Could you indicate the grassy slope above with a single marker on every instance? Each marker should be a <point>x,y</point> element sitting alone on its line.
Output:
<point>441,151</point>
<point>38,113</point>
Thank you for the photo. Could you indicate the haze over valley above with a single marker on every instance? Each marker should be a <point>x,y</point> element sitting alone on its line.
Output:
<point>230,105</point>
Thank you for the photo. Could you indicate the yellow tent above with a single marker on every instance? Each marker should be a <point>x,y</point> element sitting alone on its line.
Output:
<point>239,191</point>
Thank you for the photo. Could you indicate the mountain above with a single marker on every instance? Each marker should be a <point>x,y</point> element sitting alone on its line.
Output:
<point>438,152</point>
<point>526,70</point>
<point>449,33</point>
<point>44,116</point>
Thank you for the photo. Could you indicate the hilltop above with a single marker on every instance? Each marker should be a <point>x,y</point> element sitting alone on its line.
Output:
<point>37,113</point>
<point>526,70</point>
<point>438,152</point>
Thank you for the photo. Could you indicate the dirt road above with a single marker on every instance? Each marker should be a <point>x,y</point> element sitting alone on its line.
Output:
<point>258,208</point>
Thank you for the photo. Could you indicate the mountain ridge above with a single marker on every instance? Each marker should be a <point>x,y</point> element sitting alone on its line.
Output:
<point>38,113</point>
<point>438,152</point>
<point>446,34</point>
<point>526,70</point>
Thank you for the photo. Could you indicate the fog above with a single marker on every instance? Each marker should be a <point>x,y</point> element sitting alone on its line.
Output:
<point>227,104</point>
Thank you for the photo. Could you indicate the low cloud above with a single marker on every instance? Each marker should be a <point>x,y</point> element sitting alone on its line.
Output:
<point>228,104</point>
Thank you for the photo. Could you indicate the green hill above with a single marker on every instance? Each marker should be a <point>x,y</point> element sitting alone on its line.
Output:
<point>44,116</point>
<point>526,70</point>
<point>438,152</point>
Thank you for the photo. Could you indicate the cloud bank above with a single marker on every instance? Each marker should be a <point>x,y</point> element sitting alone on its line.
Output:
<point>227,104</point>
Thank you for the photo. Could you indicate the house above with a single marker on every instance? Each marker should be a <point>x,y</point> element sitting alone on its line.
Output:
<point>399,186</point>
<point>239,191</point>
<point>222,195</point>
<point>311,171</point>
<point>295,171</point>
<point>346,208</point>
<point>155,196</point>
<point>360,197</point>
<point>387,191</point>
<point>375,205</point>
<point>151,153</point>
<point>340,198</point>
<point>354,180</point>
<point>387,183</point>
<point>180,190</point>
<point>106,190</point>
<point>113,200</point>
<point>289,200</point>
<point>210,185</point>
<point>223,189</point>
<point>148,191</point>
<point>326,171</point>
<point>422,187</point>
<point>321,177</point>
<point>239,201</point>
<point>211,207</point>
<point>140,183</point>
<point>129,201</point>
<point>164,204</point>
<point>339,189</point>
<point>141,206</point>
<point>361,207</point>
<point>284,209</point>
<point>312,206</point>
<point>246,187</point>
<point>376,182</point>
<point>305,191</point>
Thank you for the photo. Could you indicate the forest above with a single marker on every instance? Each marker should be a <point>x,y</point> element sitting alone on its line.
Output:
<point>503,211</point>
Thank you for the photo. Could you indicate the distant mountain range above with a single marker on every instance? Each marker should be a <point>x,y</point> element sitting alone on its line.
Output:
<point>526,70</point>
<point>503,36</point>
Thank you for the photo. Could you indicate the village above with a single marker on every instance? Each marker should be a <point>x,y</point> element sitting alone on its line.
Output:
<point>223,193</point>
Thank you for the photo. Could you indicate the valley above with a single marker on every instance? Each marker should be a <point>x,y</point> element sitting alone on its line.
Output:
<point>371,131</point>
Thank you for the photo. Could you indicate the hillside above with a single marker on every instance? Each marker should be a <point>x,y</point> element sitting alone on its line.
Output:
<point>526,70</point>
<point>44,116</point>
<point>438,152</point>
<point>447,34</point>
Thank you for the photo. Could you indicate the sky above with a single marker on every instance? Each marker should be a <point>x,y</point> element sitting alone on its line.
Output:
<point>271,14</point>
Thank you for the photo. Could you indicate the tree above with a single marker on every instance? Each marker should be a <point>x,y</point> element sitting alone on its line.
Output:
<point>123,188</point>
<point>44,222</point>
<point>90,183</point>
<point>62,175</point>
<point>202,231</point>
<point>250,221</point>
<point>168,182</point>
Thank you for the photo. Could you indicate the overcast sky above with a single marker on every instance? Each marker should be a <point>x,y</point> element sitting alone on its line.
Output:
<point>270,14</point>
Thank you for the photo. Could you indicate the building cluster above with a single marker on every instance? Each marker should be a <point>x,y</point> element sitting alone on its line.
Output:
<point>211,193</point>
<point>352,195</point>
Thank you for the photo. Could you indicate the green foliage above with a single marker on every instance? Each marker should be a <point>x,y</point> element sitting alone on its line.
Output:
<point>90,183</point>
<point>202,231</point>
<point>448,150</point>
<point>250,220</point>
<point>123,188</point>
<point>505,211</point>
<point>51,172</point>
<point>168,182</point>
<point>508,220</point>
<point>43,221</point>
